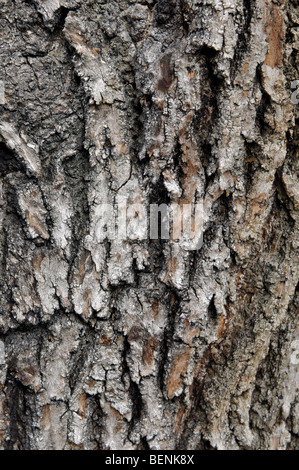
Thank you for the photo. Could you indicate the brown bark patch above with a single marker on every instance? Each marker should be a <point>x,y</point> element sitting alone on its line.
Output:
<point>222,327</point>
<point>180,420</point>
<point>121,148</point>
<point>160,105</point>
<point>245,67</point>
<point>166,74</point>
<point>190,167</point>
<point>83,404</point>
<point>84,265</point>
<point>274,29</point>
<point>190,332</point>
<point>150,347</point>
<point>178,371</point>
<point>155,308</point>
<point>105,341</point>
<point>184,129</point>
<point>135,334</point>
<point>37,261</point>
<point>46,418</point>
<point>172,265</point>
<point>87,302</point>
<point>36,224</point>
<point>72,446</point>
<point>28,375</point>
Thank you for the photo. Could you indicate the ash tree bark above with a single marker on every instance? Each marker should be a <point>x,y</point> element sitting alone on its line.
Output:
<point>144,344</point>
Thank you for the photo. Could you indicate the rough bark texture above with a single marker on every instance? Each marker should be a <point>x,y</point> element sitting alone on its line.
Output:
<point>143,344</point>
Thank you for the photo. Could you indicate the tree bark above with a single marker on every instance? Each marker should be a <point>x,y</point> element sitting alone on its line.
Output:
<point>144,344</point>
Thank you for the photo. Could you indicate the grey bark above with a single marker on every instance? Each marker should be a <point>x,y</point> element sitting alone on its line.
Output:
<point>144,344</point>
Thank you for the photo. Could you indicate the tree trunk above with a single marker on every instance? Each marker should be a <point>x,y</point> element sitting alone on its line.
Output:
<point>111,343</point>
